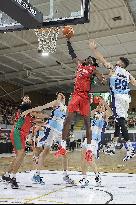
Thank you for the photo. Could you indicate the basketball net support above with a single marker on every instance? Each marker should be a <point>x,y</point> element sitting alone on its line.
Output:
<point>22,12</point>
<point>50,16</point>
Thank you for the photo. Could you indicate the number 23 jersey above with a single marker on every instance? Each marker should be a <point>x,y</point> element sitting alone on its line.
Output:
<point>119,81</point>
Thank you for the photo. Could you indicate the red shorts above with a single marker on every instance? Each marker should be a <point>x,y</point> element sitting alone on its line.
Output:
<point>79,104</point>
<point>18,139</point>
<point>20,132</point>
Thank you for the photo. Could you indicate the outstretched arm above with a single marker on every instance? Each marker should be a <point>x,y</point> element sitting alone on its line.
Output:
<point>72,52</point>
<point>99,56</point>
<point>132,80</point>
<point>40,115</point>
<point>40,108</point>
<point>100,77</point>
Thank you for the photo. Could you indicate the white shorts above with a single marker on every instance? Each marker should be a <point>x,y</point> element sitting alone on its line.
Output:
<point>52,136</point>
<point>94,146</point>
<point>120,105</point>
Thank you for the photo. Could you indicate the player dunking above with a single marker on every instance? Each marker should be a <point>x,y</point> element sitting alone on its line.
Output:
<point>80,98</point>
<point>120,92</point>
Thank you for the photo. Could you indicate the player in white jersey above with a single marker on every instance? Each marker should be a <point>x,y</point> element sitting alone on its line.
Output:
<point>53,132</point>
<point>99,120</point>
<point>120,79</point>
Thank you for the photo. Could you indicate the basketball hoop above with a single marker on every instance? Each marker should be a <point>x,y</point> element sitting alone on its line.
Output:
<point>47,38</point>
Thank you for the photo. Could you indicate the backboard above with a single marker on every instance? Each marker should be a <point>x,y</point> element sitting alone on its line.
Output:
<point>30,14</point>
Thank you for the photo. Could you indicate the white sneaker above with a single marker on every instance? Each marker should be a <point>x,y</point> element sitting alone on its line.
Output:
<point>98,179</point>
<point>119,145</point>
<point>110,149</point>
<point>84,182</point>
<point>38,180</point>
<point>130,154</point>
<point>109,152</point>
<point>68,180</point>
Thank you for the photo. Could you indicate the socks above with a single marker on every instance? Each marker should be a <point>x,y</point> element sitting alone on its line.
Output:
<point>7,174</point>
<point>89,147</point>
<point>97,174</point>
<point>13,176</point>
<point>37,173</point>
<point>63,144</point>
<point>65,173</point>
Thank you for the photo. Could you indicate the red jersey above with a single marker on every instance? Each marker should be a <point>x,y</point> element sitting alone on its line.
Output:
<point>25,128</point>
<point>27,124</point>
<point>82,81</point>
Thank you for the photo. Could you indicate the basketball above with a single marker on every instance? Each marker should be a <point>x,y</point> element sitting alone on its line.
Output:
<point>78,134</point>
<point>96,100</point>
<point>68,32</point>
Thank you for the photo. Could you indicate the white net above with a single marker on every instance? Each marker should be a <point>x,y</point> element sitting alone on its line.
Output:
<point>47,39</point>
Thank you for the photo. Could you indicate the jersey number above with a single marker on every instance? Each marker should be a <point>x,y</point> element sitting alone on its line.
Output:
<point>121,84</point>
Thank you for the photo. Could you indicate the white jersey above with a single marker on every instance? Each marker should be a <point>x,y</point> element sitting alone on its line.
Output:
<point>54,126</point>
<point>98,126</point>
<point>119,86</point>
<point>58,117</point>
<point>119,81</point>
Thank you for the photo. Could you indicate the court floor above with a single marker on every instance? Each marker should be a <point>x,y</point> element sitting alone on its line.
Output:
<point>116,188</point>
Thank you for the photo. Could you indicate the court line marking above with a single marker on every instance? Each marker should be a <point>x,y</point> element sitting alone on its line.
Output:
<point>43,195</point>
<point>110,194</point>
<point>53,201</point>
<point>6,198</point>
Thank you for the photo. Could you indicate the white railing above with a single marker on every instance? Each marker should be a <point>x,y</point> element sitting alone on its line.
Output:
<point>4,126</point>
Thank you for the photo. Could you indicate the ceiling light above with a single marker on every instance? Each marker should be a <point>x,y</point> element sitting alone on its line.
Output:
<point>45,54</point>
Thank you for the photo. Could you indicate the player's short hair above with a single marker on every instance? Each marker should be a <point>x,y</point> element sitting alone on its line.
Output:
<point>125,61</point>
<point>61,93</point>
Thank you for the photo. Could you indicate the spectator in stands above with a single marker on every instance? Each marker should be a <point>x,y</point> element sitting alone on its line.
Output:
<point>7,110</point>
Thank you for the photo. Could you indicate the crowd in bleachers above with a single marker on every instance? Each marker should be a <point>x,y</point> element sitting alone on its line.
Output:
<point>7,111</point>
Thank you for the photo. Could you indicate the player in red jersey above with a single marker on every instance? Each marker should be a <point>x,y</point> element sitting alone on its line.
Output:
<point>19,133</point>
<point>80,99</point>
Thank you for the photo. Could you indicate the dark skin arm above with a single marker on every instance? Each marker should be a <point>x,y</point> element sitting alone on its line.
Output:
<point>100,77</point>
<point>72,53</point>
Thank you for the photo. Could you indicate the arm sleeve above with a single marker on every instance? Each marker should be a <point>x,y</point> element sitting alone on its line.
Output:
<point>71,50</point>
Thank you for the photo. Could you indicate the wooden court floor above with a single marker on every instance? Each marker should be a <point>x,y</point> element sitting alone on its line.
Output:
<point>106,163</point>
